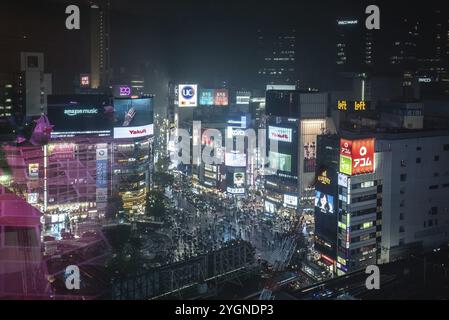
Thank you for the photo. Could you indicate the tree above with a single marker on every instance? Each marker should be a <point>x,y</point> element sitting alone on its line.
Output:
<point>155,204</point>
<point>162,164</point>
<point>161,177</point>
<point>126,249</point>
<point>162,180</point>
<point>114,205</point>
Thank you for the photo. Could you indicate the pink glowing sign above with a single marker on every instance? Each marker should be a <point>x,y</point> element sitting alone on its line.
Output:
<point>124,91</point>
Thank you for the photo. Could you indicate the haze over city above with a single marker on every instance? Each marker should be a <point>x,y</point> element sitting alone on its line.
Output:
<point>224,151</point>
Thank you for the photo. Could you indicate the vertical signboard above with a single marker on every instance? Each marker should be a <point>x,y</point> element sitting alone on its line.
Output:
<point>345,156</point>
<point>357,156</point>
<point>188,95</point>
<point>33,170</point>
<point>133,118</point>
<point>84,80</point>
<point>326,208</point>
<point>243,97</point>
<point>206,97</point>
<point>221,97</point>
<point>102,173</point>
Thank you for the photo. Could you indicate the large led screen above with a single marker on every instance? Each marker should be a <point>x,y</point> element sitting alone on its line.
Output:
<point>80,114</point>
<point>324,203</point>
<point>280,161</point>
<point>235,159</point>
<point>133,118</point>
<point>280,134</point>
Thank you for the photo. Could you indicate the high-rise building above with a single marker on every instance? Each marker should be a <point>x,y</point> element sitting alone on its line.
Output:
<point>100,71</point>
<point>325,237</point>
<point>7,96</point>
<point>414,46</point>
<point>33,84</point>
<point>415,179</point>
<point>349,45</point>
<point>369,207</point>
<point>276,56</point>
<point>294,121</point>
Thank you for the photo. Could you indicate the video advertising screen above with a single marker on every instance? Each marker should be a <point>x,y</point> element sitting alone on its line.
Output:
<point>80,114</point>
<point>326,223</point>
<point>133,118</point>
<point>280,161</point>
<point>280,134</point>
<point>235,159</point>
<point>324,202</point>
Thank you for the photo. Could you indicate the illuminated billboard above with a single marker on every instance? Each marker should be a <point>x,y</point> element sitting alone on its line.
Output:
<point>324,178</point>
<point>326,208</point>
<point>280,87</point>
<point>80,114</point>
<point>101,173</point>
<point>324,203</point>
<point>310,129</point>
<point>346,22</point>
<point>235,190</point>
<point>234,132</point>
<point>32,198</point>
<point>280,134</point>
<point>346,105</point>
<point>61,151</point>
<point>33,170</point>
<point>235,159</point>
<point>221,97</point>
<point>357,156</point>
<point>269,207</point>
<point>343,180</point>
<point>84,80</point>
<point>235,181</point>
<point>242,97</point>
<point>290,201</point>
<point>239,179</point>
<point>187,95</point>
<point>280,161</point>
<point>206,97</point>
<point>133,118</point>
<point>122,91</point>
<point>241,123</point>
<point>309,156</point>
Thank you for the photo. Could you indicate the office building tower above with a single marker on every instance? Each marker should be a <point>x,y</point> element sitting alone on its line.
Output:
<point>326,187</point>
<point>100,70</point>
<point>33,84</point>
<point>369,207</point>
<point>276,57</point>
<point>294,121</point>
<point>413,46</point>
<point>7,96</point>
<point>415,183</point>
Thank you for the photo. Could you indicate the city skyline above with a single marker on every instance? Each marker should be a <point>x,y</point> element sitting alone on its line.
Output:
<point>224,151</point>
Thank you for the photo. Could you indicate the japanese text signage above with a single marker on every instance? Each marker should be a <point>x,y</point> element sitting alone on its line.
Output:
<point>357,156</point>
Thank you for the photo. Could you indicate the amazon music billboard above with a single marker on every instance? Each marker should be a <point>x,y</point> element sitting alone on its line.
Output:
<point>73,115</point>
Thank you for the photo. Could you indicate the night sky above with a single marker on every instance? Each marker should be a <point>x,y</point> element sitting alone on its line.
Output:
<point>201,40</point>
